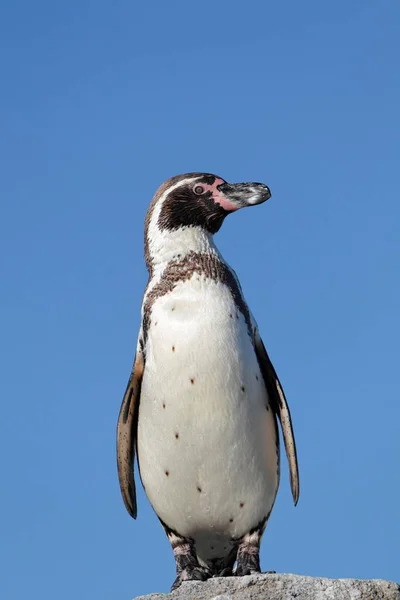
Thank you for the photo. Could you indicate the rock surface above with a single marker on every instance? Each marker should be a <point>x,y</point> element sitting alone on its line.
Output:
<point>282,587</point>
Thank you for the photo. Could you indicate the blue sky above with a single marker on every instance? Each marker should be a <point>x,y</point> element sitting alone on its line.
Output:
<point>102,101</point>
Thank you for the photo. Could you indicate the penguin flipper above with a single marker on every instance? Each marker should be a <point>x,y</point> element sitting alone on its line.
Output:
<point>280,407</point>
<point>126,435</point>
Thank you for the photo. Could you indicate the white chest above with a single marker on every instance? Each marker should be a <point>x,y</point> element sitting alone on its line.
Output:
<point>206,440</point>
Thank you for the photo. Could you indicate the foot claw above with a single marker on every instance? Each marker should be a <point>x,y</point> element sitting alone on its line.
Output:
<point>227,572</point>
<point>191,574</point>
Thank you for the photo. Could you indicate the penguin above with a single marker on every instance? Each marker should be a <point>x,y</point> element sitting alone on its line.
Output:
<point>203,401</point>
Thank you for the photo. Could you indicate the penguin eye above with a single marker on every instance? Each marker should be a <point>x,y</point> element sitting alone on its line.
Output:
<point>198,190</point>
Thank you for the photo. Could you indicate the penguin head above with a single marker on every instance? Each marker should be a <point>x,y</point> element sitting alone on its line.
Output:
<point>204,200</point>
<point>187,209</point>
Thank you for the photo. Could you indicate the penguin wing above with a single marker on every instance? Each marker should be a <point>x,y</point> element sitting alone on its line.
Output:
<point>280,407</point>
<point>126,435</point>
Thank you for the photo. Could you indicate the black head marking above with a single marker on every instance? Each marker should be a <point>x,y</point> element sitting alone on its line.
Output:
<point>184,206</point>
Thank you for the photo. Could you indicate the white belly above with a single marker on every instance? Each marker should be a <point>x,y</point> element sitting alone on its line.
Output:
<point>206,442</point>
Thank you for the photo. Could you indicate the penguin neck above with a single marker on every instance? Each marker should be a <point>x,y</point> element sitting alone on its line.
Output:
<point>174,245</point>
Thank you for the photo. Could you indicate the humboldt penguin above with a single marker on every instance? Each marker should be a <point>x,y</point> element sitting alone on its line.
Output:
<point>203,401</point>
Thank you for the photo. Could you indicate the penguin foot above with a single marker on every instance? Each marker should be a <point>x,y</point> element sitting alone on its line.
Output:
<point>248,554</point>
<point>187,564</point>
<point>191,574</point>
<point>248,561</point>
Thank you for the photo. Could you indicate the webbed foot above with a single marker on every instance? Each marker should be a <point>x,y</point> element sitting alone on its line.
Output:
<point>191,573</point>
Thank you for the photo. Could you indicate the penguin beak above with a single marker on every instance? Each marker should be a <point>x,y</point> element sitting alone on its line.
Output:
<point>240,195</point>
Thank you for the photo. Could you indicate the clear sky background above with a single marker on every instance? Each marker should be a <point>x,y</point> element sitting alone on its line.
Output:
<point>100,102</point>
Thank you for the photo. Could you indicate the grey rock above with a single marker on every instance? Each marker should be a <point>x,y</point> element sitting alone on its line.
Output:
<point>282,587</point>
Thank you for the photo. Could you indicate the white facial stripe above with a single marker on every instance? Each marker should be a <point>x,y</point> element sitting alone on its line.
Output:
<point>153,229</point>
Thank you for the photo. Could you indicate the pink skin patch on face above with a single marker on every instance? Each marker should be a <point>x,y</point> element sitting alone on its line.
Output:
<point>218,197</point>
